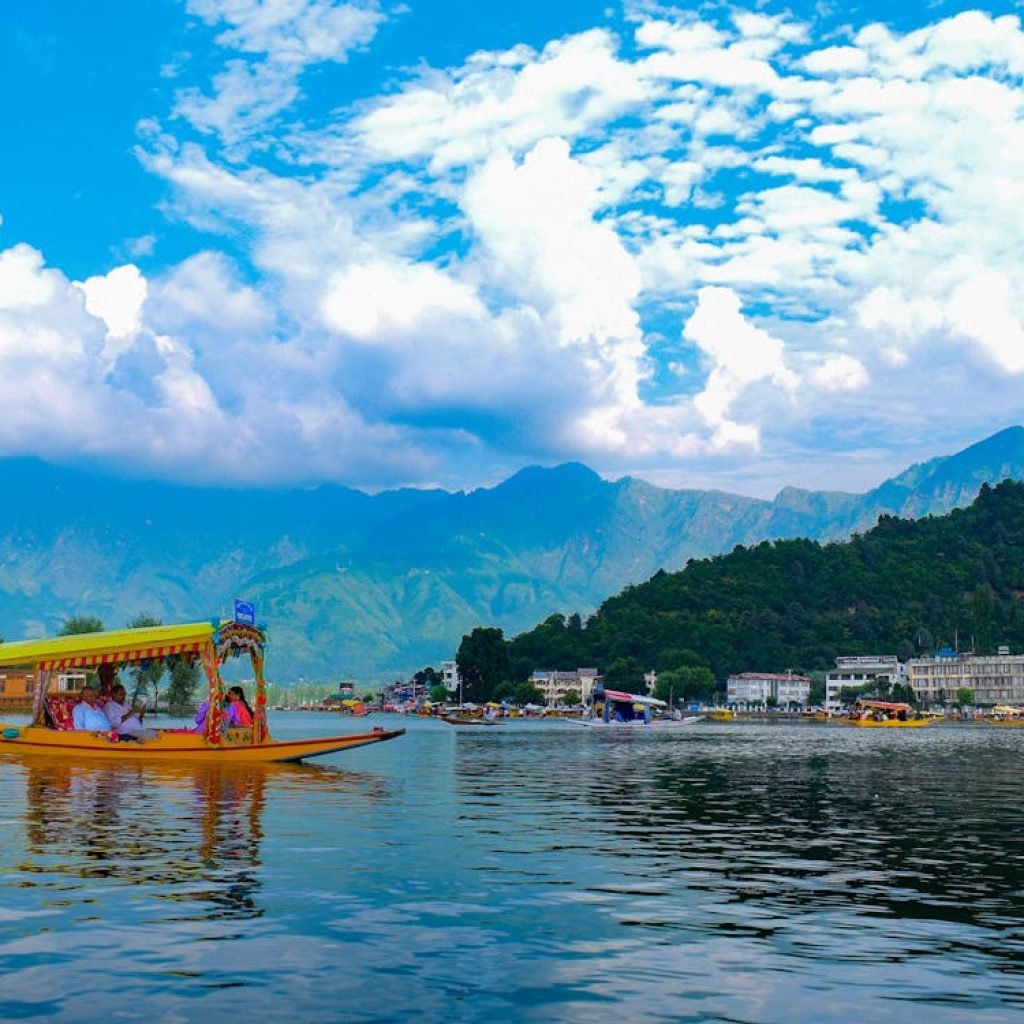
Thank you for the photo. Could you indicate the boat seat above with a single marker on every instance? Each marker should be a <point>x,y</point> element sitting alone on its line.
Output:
<point>60,708</point>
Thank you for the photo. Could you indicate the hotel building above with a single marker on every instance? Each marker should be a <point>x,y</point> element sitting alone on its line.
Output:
<point>995,678</point>
<point>860,670</point>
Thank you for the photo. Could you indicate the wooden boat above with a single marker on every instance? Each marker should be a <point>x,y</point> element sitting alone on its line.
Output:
<point>615,709</point>
<point>51,731</point>
<point>468,720</point>
<point>883,714</point>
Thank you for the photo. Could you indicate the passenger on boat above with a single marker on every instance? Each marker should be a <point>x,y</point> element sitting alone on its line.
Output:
<point>201,712</point>
<point>123,716</point>
<point>239,714</point>
<point>86,715</point>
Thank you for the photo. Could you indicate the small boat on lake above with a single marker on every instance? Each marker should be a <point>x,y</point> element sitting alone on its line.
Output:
<point>885,715</point>
<point>615,709</point>
<point>51,730</point>
<point>468,720</point>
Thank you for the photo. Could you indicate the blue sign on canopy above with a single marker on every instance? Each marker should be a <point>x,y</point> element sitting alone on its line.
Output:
<point>245,611</point>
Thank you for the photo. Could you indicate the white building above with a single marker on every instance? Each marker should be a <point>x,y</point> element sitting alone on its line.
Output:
<point>995,679</point>
<point>859,670</point>
<point>760,687</point>
<point>450,676</point>
<point>555,685</point>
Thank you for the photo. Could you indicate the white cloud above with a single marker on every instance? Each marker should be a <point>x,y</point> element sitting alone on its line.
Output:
<point>117,298</point>
<point>487,259</point>
<point>375,301</point>
<point>740,354</point>
<point>840,373</point>
<point>278,39</point>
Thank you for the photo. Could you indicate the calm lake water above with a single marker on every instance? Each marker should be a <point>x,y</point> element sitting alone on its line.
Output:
<point>526,872</point>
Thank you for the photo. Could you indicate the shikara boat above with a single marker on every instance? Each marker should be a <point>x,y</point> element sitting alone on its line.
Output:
<point>615,709</point>
<point>51,730</point>
<point>883,714</point>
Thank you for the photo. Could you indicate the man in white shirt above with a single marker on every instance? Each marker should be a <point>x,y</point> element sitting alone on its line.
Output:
<point>124,718</point>
<point>87,716</point>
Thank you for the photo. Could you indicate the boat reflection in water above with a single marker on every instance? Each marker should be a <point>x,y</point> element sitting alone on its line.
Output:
<point>193,832</point>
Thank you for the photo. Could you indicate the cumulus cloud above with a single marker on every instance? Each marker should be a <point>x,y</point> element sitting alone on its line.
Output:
<point>277,40</point>
<point>498,260</point>
<point>740,355</point>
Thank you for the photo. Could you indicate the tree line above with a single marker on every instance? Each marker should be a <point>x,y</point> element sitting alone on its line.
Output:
<point>906,587</point>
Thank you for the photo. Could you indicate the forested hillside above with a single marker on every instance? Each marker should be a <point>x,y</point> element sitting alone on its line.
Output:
<point>905,587</point>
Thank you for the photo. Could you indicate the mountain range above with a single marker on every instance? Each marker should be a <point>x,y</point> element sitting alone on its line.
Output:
<point>371,587</point>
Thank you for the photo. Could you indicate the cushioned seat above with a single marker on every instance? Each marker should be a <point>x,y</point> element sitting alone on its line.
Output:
<point>60,708</point>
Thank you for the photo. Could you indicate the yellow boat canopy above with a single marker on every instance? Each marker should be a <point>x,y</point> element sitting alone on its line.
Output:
<point>89,650</point>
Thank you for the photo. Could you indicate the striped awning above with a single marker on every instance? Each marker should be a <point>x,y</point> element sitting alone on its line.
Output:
<point>114,647</point>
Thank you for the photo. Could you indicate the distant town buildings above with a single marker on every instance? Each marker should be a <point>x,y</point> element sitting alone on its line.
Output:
<point>762,687</point>
<point>860,670</point>
<point>994,679</point>
<point>555,685</point>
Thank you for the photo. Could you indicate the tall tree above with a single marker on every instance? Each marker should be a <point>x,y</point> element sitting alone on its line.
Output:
<point>81,624</point>
<point>483,663</point>
<point>147,673</point>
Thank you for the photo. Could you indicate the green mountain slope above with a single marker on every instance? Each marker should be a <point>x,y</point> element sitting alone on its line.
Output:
<point>904,587</point>
<point>372,586</point>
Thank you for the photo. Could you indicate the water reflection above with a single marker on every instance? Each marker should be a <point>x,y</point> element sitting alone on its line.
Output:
<point>191,834</point>
<point>896,848</point>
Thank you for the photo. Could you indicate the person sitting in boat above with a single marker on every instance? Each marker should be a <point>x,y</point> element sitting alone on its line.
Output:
<point>86,715</point>
<point>201,712</point>
<point>238,714</point>
<point>123,717</point>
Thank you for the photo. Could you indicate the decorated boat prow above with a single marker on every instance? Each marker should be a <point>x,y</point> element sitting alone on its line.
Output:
<point>102,655</point>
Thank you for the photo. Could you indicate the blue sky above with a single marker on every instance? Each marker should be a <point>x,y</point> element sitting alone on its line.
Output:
<point>426,244</point>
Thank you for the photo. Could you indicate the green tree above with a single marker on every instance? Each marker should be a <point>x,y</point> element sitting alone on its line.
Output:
<point>147,673</point>
<point>183,681</point>
<point>965,696</point>
<point>81,624</point>
<point>624,674</point>
<point>689,683</point>
<point>438,693</point>
<point>427,677</point>
<point>482,662</point>
<point>527,693</point>
<point>571,698</point>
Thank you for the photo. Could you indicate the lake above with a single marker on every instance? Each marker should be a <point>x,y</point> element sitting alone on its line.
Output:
<point>533,871</point>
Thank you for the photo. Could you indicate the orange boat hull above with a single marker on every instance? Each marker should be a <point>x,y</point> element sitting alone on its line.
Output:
<point>170,745</point>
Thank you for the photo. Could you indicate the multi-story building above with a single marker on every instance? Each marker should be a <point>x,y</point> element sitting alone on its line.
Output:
<point>761,687</point>
<point>859,670</point>
<point>555,685</point>
<point>994,678</point>
<point>450,675</point>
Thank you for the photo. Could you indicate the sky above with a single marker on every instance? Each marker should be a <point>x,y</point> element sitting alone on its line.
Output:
<point>427,243</point>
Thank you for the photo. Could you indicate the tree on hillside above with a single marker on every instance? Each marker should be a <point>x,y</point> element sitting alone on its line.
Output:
<point>482,661</point>
<point>81,624</point>
<point>147,674</point>
<point>624,674</point>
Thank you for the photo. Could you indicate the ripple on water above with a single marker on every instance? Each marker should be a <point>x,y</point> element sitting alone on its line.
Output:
<point>534,871</point>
